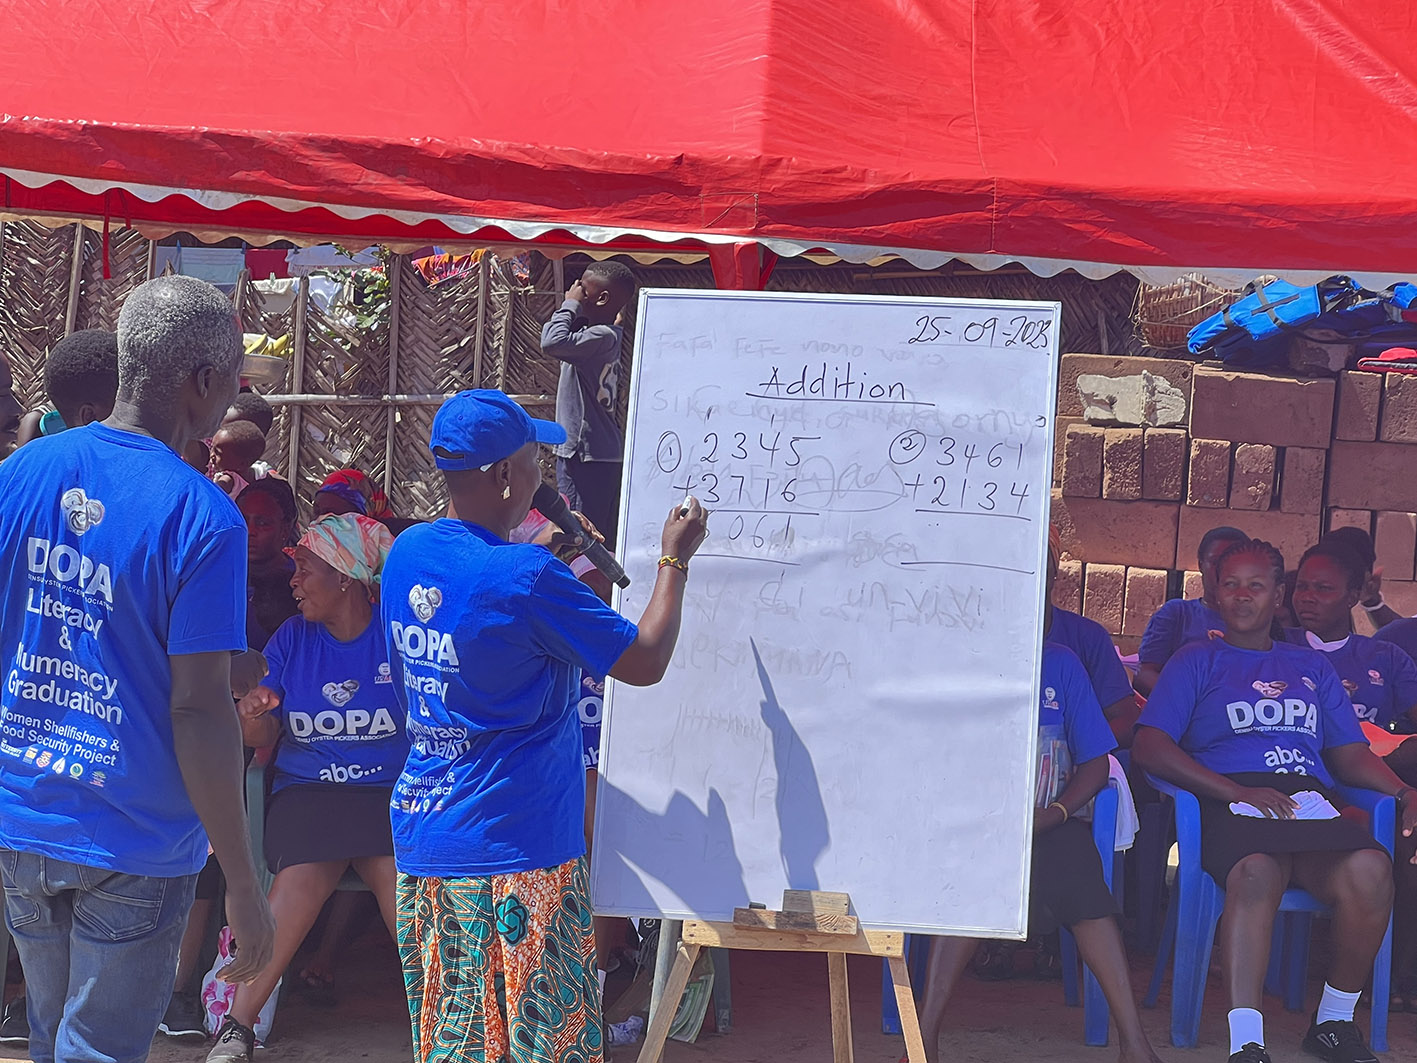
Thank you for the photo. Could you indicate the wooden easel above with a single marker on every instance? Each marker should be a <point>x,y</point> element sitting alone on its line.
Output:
<point>810,921</point>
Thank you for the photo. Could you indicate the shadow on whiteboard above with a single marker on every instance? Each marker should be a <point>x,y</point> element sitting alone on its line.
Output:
<point>803,832</point>
<point>689,852</point>
<point>684,860</point>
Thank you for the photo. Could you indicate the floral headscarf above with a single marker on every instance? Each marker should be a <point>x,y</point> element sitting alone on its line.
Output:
<point>353,545</point>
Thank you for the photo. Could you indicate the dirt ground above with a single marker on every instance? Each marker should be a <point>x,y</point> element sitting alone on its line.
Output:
<point>779,1016</point>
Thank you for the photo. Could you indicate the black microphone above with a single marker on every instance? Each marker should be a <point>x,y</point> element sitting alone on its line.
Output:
<point>552,506</point>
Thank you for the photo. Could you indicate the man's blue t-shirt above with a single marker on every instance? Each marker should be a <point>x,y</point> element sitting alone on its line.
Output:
<point>488,642</point>
<point>1176,623</point>
<point>340,720</point>
<point>1401,633</point>
<point>1067,701</point>
<point>1093,647</point>
<point>1236,710</point>
<point>115,554</point>
<point>1379,678</point>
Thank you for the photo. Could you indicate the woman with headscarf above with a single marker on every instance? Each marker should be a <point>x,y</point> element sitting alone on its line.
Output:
<point>329,701</point>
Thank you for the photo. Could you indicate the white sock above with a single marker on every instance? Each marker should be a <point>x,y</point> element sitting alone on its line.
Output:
<point>1336,1005</point>
<point>1246,1027</point>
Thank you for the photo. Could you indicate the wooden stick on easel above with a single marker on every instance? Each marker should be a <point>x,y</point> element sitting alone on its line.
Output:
<point>810,921</point>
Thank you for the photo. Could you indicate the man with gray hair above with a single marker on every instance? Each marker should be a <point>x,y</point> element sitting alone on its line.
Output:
<point>125,572</point>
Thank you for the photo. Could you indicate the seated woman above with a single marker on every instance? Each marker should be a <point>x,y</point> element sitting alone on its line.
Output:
<point>1183,620</point>
<point>1067,886</point>
<point>329,699</point>
<point>1381,679</point>
<point>1246,720</point>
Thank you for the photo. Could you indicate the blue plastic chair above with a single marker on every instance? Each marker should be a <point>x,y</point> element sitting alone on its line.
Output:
<point>1096,1016</point>
<point>1195,910</point>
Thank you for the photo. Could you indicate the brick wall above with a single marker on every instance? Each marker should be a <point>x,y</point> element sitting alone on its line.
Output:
<point>1281,458</point>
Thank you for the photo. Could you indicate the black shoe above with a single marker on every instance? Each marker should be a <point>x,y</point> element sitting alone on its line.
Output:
<point>1250,1053</point>
<point>1338,1042</point>
<point>234,1043</point>
<point>184,1017</point>
<point>15,1024</point>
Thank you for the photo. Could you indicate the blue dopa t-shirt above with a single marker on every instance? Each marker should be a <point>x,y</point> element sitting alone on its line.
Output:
<point>1401,633</point>
<point>488,642</point>
<point>1236,710</point>
<point>1066,700</point>
<point>1379,678</point>
<point>340,721</point>
<point>1177,623</point>
<point>1093,647</point>
<point>115,554</point>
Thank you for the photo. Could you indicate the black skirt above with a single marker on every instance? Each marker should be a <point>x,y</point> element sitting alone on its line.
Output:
<point>1067,886</point>
<point>315,823</point>
<point>1226,838</point>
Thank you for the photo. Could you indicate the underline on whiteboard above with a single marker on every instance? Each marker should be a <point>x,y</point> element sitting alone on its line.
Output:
<point>970,564</point>
<point>770,512</point>
<point>745,557</point>
<point>967,513</point>
<point>828,398</point>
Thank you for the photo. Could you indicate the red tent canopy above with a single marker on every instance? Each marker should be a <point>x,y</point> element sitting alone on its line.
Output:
<point>1252,135</point>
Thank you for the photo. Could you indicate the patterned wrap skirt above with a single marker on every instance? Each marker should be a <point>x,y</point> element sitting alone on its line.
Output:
<point>501,969</point>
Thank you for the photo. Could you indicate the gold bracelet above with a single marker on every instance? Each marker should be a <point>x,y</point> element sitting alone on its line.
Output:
<point>1063,807</point>
<point>674,562</point>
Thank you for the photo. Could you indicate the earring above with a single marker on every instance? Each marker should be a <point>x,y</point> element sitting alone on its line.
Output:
<point>506,492</point>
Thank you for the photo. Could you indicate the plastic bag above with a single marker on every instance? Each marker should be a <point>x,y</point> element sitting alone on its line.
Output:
<point>219,996</point>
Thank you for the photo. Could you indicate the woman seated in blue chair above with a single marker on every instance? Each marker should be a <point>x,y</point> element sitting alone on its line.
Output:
<point>1067,887</point>
<point>329,702</point>
<point>1246,720</point>
<point>1381,679</point>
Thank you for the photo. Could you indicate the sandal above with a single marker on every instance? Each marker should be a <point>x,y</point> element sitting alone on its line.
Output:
<point>1404,994</point>
<point>994,961</point>
<point>1047,960</point>
<point>318,990</point>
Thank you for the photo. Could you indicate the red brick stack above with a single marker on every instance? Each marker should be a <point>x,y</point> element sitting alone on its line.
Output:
<point>1373,482</point>
<point>1132,503</point>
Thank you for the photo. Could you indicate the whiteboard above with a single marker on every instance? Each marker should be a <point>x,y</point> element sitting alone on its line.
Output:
<point>852,705</point>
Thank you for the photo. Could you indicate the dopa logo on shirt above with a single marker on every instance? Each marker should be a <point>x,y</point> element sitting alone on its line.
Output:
<point>1270,713</point>
<point>1375,677</point>
<point>425,601</point>
<point>338,694</point>
<point>80,512</point>
<point>1050,698</point>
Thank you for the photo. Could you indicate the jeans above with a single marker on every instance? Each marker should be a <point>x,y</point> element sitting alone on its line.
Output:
<point>99,949</point>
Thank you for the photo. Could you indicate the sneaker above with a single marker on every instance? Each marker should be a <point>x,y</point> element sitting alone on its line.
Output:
<point>1250,1053</point>
<point>15,1023</point>
<point>184,1017</point>
<point>234,1043</point>
<point>625,1033</point>
<point>1338,1042</point>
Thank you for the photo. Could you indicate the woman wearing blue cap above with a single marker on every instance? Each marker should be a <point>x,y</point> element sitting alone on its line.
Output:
<point>489,639</point>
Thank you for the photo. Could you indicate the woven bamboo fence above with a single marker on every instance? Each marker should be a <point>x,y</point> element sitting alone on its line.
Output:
<point>365,397</point>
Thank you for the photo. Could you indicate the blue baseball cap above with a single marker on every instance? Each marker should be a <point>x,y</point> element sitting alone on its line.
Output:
<point>475,429</point>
